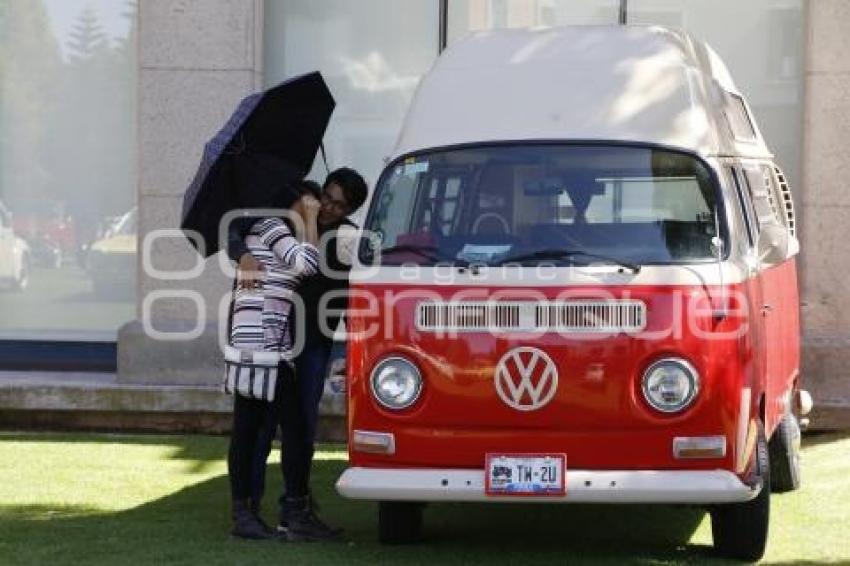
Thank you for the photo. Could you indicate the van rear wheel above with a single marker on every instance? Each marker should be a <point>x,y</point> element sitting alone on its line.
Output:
<point>399,522</point>
<point>740,529</point>
<point>784,449</point>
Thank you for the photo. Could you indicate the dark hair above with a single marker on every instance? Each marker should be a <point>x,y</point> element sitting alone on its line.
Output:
<point>352,184</point>
<point>307,187</point>
<point>291,191</point>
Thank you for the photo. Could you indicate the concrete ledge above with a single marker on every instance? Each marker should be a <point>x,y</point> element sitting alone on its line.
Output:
<point>97,401</point>
<point>112,421</point>
<point>829,416</point>
<point>331,428</point>
<point>824,373</point>
<point>102,392</point>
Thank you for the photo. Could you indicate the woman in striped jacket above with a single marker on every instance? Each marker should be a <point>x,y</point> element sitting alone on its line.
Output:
<point>261,321</point>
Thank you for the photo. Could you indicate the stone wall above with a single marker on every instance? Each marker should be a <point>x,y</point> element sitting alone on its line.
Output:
<point>197,60</point>
<point>824,211</point>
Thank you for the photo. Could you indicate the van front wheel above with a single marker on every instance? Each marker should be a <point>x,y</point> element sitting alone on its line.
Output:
<point>740,529</point>
<point>399,522</point>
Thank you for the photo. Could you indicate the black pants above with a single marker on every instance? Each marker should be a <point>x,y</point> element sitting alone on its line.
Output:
<point>300,397</point>
<point>251,418</point>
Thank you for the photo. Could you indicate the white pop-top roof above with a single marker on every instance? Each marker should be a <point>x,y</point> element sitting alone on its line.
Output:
<point>624,83</point>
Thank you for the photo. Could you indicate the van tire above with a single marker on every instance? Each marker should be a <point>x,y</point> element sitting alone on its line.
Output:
<point>784,449</point>
<point>740,530</point>
<point>399,522</point>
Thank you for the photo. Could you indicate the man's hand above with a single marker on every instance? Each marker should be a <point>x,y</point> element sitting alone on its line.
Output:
<point>250,272</point>
<point>346,242</point>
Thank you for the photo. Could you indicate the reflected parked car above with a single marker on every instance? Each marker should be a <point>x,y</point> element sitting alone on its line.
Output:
<point>49,231</point>
<point>111,260</point>
<point>14,255</point>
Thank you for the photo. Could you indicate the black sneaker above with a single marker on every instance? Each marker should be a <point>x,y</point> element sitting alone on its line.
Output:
<point>299,522</point>
<point>246,525</point>
<point>255,510</point>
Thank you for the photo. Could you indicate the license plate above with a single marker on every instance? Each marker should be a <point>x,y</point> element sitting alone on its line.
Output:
<point>526,474</point>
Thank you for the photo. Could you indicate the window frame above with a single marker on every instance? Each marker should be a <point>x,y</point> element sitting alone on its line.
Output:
<point>745,205</point>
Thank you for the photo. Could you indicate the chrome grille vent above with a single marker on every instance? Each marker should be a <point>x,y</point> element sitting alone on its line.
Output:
<point>527,316</point>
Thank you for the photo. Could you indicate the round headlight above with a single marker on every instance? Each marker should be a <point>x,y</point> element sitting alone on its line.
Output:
<point>396,383</point>
<point>670,385</point>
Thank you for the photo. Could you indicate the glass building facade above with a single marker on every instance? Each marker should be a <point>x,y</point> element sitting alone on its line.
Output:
<point>67,168</point>
<point>68,118</point>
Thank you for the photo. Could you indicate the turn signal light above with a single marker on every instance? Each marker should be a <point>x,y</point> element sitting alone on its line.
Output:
<point>373,442</point>
<point>690,447</point>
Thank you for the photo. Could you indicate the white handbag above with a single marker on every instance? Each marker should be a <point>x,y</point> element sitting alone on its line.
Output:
<point>251,374</point>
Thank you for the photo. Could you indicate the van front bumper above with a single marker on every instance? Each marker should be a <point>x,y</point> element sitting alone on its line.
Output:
<point>583,486</point>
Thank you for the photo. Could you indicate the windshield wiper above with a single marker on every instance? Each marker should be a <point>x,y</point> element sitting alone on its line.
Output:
<point>567,254</point>
<point>432,253</point>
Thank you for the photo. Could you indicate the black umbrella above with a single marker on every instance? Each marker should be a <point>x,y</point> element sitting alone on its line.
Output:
<point>268,143</point>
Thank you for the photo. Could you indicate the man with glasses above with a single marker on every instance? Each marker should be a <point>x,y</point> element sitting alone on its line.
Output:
<point>343,192</point>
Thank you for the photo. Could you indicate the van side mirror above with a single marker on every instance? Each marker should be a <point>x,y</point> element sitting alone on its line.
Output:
<point>717,247</point>
<point>773,244</point>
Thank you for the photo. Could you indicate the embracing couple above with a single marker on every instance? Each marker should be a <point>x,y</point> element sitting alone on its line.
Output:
<point>279,352</point>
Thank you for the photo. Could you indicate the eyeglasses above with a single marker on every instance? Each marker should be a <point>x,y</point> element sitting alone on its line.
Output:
<point>337,205</point>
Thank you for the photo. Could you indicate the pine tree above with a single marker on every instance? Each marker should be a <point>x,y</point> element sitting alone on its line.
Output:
<point>4,50</point>
<point>95,141</point>
<point>127,71</point>
<point>87,37</point>
<point>130,13</point>
<point>3,8</point>
<point>26,98</point>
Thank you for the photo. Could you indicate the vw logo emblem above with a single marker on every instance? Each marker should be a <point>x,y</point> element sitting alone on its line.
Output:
<point>526,379</point>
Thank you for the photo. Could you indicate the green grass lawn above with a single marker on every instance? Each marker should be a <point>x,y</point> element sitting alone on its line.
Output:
<point>115,499</point>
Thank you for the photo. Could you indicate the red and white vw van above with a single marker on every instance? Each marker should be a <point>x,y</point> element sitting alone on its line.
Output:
<point>578,284</point>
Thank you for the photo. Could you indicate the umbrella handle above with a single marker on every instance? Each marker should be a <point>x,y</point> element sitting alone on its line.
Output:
<point>324,156</point>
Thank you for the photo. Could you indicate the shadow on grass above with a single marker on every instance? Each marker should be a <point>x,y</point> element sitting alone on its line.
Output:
<point>190,527</point>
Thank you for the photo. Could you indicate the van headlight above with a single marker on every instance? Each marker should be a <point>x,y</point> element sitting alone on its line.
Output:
<point>396,383</point>
<point>670,385</point>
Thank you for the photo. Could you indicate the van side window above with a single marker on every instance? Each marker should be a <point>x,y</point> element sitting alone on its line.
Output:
<point>450,201</point>
<point>739,118</point>
<point>643,199</point>
<point>764,204</point>
<point>744,205</point>
<point>439,212</point>
<point>394,209</point>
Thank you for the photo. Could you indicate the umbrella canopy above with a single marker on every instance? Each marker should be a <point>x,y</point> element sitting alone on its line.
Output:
<point>268,143</point>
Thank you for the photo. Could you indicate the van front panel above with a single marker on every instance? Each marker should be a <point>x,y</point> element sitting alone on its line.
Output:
<point>596,414</point>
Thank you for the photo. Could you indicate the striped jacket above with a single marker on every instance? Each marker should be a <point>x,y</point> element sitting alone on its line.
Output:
<point>261,318</point>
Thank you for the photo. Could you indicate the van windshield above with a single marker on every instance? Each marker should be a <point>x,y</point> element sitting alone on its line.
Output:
<point>562,204</point>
